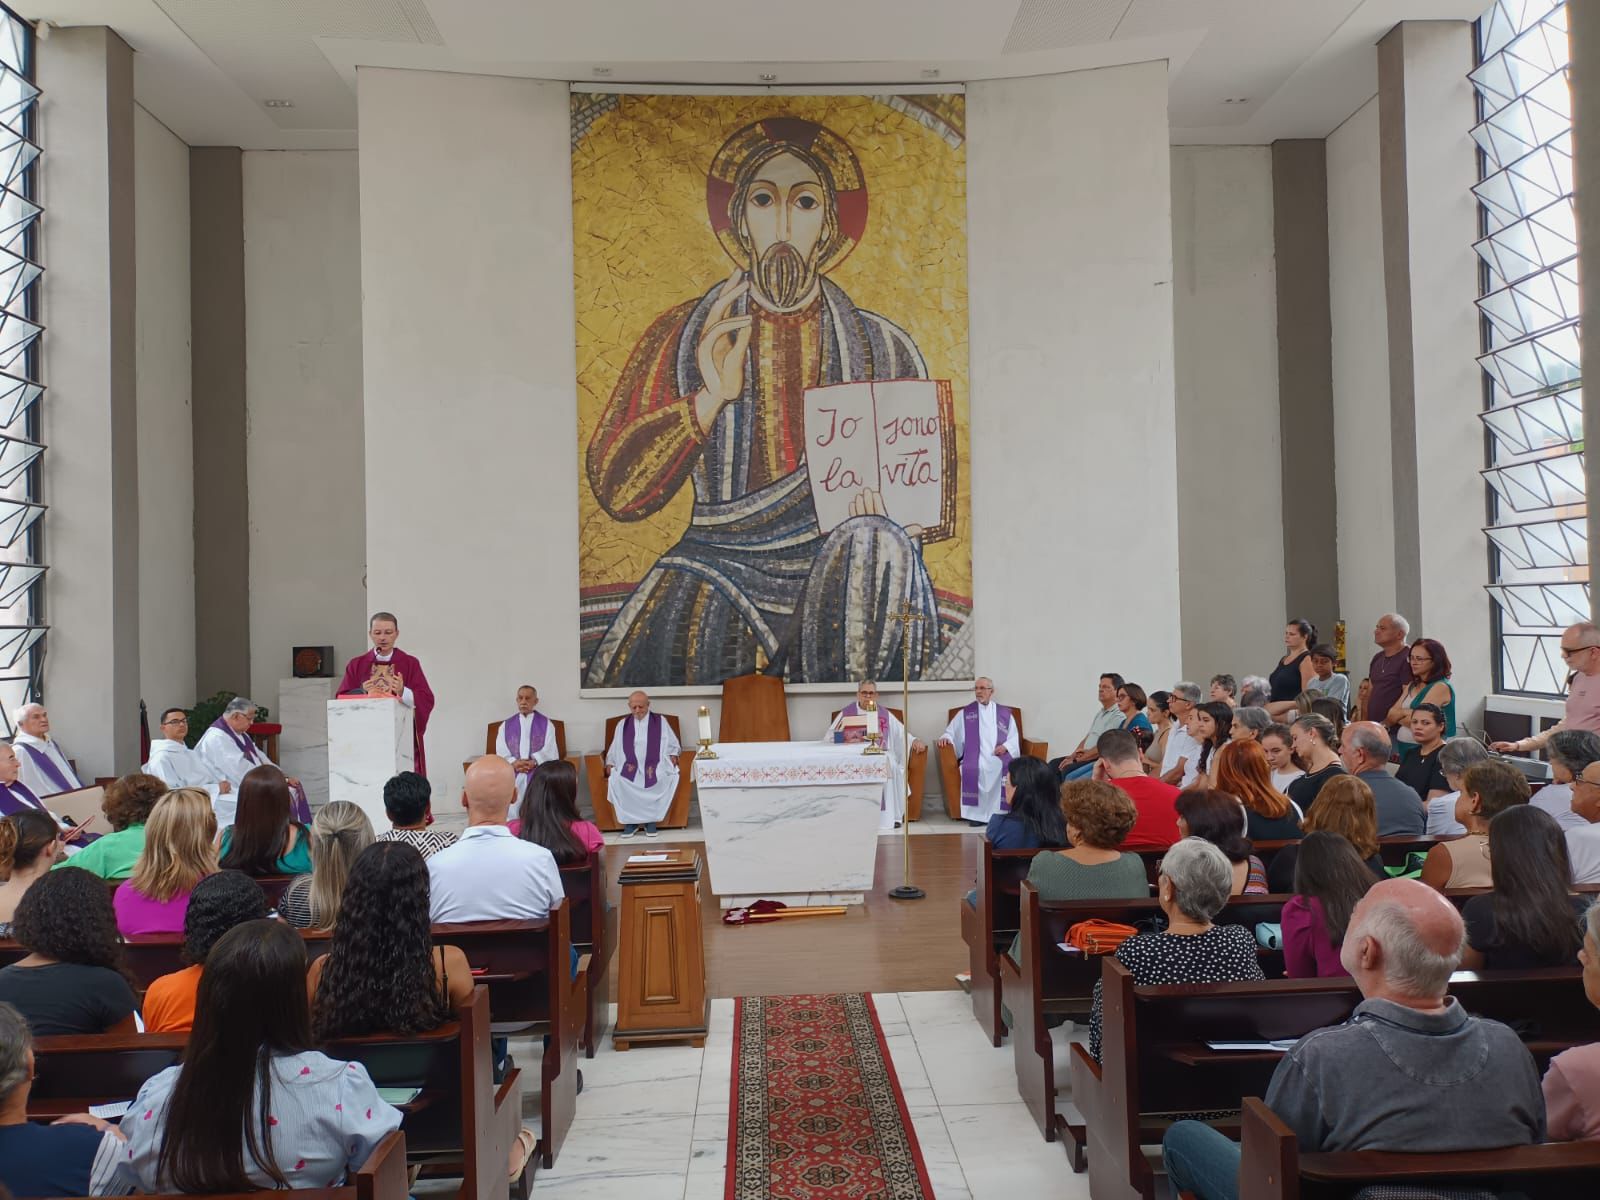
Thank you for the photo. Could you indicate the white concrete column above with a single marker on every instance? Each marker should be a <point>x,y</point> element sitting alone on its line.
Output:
<point>91,679</point>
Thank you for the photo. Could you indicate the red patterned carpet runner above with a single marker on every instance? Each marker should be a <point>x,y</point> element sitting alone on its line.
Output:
<point>816,1111</point>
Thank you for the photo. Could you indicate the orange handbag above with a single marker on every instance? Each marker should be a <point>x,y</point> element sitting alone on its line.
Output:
<point>1099,937</point>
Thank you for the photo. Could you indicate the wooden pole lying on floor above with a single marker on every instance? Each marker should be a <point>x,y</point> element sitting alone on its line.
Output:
<point>820,910</point>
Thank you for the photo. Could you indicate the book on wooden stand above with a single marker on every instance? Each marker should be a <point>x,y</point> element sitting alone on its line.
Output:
<point>661,975</point>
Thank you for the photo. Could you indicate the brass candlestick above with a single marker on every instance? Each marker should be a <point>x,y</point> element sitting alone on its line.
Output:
<point>705,730</point>
<point>870,710</point>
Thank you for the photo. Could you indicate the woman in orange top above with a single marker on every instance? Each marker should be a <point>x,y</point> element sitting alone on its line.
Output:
<point>217,904</point>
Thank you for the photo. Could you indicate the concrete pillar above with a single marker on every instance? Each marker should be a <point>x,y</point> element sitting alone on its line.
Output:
<point>1305,380</point>
<point>1430,220</point>
<point>217,368</point>
<point>91,678</point>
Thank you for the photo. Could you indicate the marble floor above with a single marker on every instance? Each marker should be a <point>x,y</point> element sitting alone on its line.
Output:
<point>652,1123</point>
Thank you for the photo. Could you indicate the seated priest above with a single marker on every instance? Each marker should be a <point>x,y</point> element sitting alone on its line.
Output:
<point>16,796</point>
<point>984,736</point>
<point>172,761</point>
<point>45,769</point>
<point>526,738</point>
<point>641,767</point>
<point>891,735</point>
<point>230,753</point>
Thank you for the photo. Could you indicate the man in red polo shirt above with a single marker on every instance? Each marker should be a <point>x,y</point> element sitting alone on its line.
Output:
<point>1119,765</point>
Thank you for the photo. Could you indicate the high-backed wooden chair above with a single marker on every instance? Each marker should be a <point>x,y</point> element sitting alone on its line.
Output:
<point>754,709</point>
<point>595,766</point>
<point>916,770</point>
<point>492,732</point>
<point>950,767</point>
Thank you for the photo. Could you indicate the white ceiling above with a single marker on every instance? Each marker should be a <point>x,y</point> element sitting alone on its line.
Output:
<point>1242,71</point>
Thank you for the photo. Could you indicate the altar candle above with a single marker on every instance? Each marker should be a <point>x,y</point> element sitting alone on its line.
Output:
<point>705,724</point>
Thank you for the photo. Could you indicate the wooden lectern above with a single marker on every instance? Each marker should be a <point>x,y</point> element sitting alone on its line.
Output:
<point>661,975</point>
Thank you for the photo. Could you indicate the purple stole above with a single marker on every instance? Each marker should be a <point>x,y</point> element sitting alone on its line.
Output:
<point>538,730</point>
<point>972,751</point>
<point>854,710</point>
<point>47,765</point>
<point>652,752</point>
<point>247,747</point>
<point>15,798</point>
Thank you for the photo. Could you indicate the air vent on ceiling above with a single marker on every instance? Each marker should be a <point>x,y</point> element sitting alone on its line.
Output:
<point>1055,24</point>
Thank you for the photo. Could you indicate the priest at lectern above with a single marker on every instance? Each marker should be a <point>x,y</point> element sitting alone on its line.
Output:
<point>846,727</point>
<point>642,767</point>
<point>386,671</point>
<point>526,738</point>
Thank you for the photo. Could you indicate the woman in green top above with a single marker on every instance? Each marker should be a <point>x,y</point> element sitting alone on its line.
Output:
<point>1098,818</point>
<point>1430,684</point>
<point>127,807</point>
<point>264,839</point>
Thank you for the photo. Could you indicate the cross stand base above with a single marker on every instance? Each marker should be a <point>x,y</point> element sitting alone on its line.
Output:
<point>907,891</point>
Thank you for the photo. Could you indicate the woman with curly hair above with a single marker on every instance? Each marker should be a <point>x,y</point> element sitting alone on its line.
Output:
<point>1219,818</point>
<point>30,843</point>
<point>264,838</point>
<point>1242,771</point>
<point>72,979</point>
<point>339,833</point>
<point>127,806</point>
<point>179,852</point>
<point>549,815</point>
<point>217,904</point>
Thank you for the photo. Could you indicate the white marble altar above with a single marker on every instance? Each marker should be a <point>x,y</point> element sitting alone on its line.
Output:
<point>369,741</point>
<point>303,745</point>
<point>791,821</point>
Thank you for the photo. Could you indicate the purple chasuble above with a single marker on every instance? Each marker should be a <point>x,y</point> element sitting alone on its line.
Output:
<point>538,730</point>
<point>15,798</point>
<point>972,752</point>
<point>652,751</point>
<point>247,747</point>
<point>47,765</point>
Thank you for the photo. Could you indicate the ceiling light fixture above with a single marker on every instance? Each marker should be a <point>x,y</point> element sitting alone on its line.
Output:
<point>1237,100</point>
<point>602,72</point>
<point>930,72</point>
<point>277,104</point>
<point>767,77</point>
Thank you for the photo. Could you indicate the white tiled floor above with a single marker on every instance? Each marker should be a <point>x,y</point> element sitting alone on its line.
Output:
<point>653,1123</point>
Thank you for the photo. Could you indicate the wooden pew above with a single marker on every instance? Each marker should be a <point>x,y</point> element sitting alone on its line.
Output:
<point>594,932</point>
<point>381,1177</point>
<point>987,927</point>
<point>1273,1168</point>
<point>72,1073</point>
<point>1154,1059</point>
<point>527,968</point>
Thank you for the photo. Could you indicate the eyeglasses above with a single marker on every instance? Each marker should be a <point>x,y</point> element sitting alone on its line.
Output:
<point>1569,651</point>
<point>176,721</point>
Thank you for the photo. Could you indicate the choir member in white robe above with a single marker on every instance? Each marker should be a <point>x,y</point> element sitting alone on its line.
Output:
<point>229,753</point>
<point>984,735</point>
<point>892,809</point>
<point>172,762</point>
<point>526,738</point>
<point>641,767</point>
<point>44,766</point>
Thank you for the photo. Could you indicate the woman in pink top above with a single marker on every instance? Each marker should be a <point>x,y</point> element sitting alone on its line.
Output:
<point>178,853</point>
<point>1572,1083</point>
<point>549,814</point>
<point>1329,878</point>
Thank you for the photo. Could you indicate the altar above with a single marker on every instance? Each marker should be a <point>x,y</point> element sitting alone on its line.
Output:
<point>791,821</point>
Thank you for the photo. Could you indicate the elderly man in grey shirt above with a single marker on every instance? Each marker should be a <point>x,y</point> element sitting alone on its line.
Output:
<point>1365,749</point>
<point>1408,1054</point>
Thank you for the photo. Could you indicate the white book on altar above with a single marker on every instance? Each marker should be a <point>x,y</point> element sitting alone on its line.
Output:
<point>896,437</point>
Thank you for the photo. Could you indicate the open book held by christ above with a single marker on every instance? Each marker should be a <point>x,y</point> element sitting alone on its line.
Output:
<point>896,437</point>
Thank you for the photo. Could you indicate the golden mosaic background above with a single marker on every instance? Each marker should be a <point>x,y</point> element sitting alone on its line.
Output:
<point>642,244</point>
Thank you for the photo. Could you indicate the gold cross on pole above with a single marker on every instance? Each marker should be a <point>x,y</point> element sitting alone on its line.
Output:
<point>907,616</point>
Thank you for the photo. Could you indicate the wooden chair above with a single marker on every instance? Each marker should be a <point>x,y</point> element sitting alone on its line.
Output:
<point>493,732</point>
<point>1272,1166</point>
<point>594,932</point>
<point>754,709</point>
<point>595,767</point>
<point>1154,1057</point>
<point>916,771</point>
<point>532,990</point>
<point>381,1177</point>
<point>950,768</point>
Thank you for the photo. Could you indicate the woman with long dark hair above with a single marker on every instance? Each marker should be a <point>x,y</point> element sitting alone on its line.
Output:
<point>1329,879</point>
<point>264,838</point>
<point>1218,817</point>
<point>1528,920</point>
<point>1034,819</point>
<point>383,974</point>
<point>72,980</point>
<point>1161,726</point>
<point>549,814</point>
<point>1211,724</point>
<point>1294,671</point>
<point>253,1105</point>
